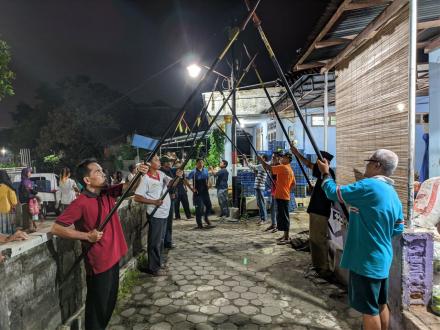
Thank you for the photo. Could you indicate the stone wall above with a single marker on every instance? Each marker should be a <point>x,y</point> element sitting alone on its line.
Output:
<point>410,275</point>
<point>32,296</point>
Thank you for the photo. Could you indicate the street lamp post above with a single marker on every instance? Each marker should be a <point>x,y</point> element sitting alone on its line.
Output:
<point>194,71</point>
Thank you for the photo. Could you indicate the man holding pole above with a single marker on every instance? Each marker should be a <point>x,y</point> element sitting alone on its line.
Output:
<point>149,192</point>
<point>259,186</point>
<point>86,213</point>
<point>284,185</point>
<point>376,216</point>
<point>222,188</point>
<point>200,189</point>
<point>319,212</point>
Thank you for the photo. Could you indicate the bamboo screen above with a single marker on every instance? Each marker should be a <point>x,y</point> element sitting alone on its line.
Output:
<point>372,103</point>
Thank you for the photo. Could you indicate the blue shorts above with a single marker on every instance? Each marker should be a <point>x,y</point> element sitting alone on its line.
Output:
<point>366,294</point>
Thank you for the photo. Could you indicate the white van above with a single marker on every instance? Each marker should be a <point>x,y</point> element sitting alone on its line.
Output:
<point>48,191</point>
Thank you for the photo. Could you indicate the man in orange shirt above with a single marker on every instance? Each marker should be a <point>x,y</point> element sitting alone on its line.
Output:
<point>284,184</point>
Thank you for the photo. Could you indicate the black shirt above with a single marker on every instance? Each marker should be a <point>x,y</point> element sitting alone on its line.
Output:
<point>169,172</point>
<point>319,203</point>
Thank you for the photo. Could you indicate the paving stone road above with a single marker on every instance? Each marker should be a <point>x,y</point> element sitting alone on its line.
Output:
<point>233,277</point>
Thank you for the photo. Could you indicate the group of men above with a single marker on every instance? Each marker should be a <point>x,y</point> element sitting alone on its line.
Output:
<point>375,215</point>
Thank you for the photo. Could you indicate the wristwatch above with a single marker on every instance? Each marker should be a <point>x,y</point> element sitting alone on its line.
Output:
<point>325,175</point>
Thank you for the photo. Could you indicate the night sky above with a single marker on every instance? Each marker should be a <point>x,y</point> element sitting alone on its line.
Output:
<point>121,42</point>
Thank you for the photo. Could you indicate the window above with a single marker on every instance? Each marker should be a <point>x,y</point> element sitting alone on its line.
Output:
<point>318,120</point>
<point>291,134</point>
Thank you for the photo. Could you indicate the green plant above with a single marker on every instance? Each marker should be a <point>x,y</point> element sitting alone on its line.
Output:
<point>131,279</point>
<point>6,75</point>
<point>216,147</point>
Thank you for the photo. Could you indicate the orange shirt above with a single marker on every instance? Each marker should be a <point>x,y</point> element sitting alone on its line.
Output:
<point>285,181</point>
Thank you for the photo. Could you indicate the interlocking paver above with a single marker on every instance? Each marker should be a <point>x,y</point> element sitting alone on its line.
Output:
<point>209,287</point>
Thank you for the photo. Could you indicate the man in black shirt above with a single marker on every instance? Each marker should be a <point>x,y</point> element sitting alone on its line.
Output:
<point>319,213</point>
<point>168,234</point>
<point>181,196</point>
<point>222,188</point>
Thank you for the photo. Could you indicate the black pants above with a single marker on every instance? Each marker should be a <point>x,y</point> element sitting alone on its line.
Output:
<point>156,229</point>
<point>182,197</point>
<point>102,292</point>
<point>283,221</point>
<point>200,200</point>
<point>168,234</point>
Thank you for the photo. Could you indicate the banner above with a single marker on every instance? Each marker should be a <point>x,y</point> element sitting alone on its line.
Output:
<point>143,142</point>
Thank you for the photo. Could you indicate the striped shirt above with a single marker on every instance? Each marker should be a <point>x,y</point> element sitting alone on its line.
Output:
<point>260,176</point>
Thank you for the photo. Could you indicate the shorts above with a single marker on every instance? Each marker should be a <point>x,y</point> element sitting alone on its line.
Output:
<point>366,294</point>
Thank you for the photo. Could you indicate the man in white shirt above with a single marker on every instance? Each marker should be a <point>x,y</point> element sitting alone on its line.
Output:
<point>152,186</point>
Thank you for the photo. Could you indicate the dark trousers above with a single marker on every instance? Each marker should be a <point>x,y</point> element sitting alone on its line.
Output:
<point>202,200</point>
<point>182,197</point>
<point>283,221</point>
<point>102,292</point>
<point>168,234</point>
<point>155,243</point>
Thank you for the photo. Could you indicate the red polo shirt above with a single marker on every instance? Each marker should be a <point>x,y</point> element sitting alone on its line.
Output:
<point>83,214</point>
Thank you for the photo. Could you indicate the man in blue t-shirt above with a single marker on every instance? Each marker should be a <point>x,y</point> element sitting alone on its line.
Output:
<point>200,188</point>
<point>375,217</point>
<point>222,188</point>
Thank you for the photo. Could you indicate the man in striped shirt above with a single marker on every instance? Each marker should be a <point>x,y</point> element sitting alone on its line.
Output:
<point>260,186</point>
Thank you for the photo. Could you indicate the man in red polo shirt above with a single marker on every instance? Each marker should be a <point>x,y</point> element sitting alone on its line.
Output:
<point>86,213</point>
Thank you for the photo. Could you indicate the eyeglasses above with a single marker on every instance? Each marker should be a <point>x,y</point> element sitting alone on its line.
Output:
<point>372,160</point>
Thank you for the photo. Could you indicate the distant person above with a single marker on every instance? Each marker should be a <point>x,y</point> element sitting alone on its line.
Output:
<point>273,203</point>
<point>131,175</point>
<point>221,184</point>
<point>8,202</point>
<point>165,167</point>
<point>181,196</point>
<point>285,184</point>
<point>200,189</point>
<point>260,186</point>
<point>26,192</point>
<point>117,177</point>
<point>68,189</point>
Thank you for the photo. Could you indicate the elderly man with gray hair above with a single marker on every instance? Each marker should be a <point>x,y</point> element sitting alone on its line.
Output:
<point>375,217</point>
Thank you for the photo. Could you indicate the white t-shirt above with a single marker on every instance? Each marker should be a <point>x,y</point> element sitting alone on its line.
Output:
<point>152,188</point>
<point>67,192</point>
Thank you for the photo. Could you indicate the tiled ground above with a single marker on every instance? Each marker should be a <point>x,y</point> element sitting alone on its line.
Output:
<point>233,277</point>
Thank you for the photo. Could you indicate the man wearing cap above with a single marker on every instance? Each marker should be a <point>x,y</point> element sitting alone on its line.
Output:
<point>273,203</point>
<point>285,183</point>
<point>165,167</point>
<point>319,212</point>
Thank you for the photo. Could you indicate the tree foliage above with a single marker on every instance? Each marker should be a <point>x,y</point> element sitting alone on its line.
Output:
<point>6,75</point>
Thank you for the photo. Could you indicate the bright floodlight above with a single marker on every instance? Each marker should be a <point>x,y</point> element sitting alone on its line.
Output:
<point>3,151</point>
<point>193,70</point>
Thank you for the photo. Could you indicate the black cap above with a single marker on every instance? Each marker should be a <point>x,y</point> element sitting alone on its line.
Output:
<point>288,155</point>
<point>165,159</point>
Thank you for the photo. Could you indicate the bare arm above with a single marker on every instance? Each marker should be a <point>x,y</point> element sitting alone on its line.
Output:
<point>143,200</point>
<point>71,233</point>
<point>265,165</point>
<point>303,160</point>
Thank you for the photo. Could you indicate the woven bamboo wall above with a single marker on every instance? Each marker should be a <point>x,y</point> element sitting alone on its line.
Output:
<point>372,103</point>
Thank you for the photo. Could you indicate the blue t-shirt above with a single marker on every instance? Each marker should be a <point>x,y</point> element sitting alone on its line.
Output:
<point>222,179</point>
<point>200,179</point>
<point>376,216</point>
